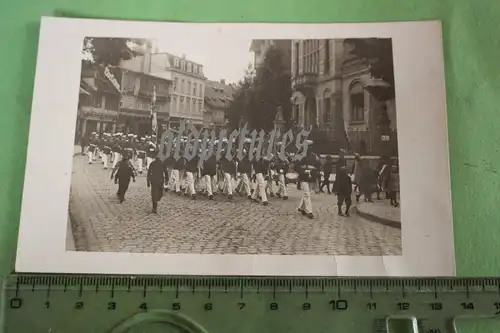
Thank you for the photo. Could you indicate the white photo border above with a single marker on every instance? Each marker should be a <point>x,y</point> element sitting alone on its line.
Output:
<point>426,213</point>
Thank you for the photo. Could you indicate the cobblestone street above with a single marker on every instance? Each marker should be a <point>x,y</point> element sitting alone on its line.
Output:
<point>101,223</point>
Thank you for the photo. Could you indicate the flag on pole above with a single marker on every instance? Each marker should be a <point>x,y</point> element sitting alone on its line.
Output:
<point>154,119</point>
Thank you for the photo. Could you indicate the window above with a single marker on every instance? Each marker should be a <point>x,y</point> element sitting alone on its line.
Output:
<point>183,65</point>
<point>97,100</point>
<point>111,103</point>
<point>182,86</point>
<point>194,109</point>
<point>327,104</point>
<point>297,58</point>
<point>189,66</point>
<point>176,63</point>
<point>327,57</point>
<point>195,85</point>
<point>357,96</point>
<point>188,105</point>
<point>188,88</point>
<point>195,69</point>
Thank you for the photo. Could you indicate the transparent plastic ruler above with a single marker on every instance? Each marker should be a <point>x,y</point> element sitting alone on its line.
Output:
<point>116,304</point>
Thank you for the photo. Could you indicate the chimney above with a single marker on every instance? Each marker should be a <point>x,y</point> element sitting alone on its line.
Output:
<point>222,81</point>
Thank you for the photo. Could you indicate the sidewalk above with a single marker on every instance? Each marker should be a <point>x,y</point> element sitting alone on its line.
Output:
<point>380,211</point>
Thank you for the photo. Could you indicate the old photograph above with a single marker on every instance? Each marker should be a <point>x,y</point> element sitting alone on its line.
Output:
<point>196,146</point>
<point>296,155</point>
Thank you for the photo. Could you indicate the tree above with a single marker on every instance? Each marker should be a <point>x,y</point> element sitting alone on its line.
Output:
<point>109,51</point>
<point>261,93</point>
<point>378,52</point>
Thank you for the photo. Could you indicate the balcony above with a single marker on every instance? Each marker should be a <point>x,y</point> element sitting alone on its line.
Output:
<point>304,82</point>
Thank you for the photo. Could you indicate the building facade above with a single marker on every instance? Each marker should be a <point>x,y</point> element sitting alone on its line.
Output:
<point>187,97</point>
<point>330,95</point>
<point>218,96</point>
<point>114,99</point>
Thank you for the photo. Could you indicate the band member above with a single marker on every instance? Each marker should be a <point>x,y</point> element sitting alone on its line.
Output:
<point>343,189</point>
<point>117,150</point>
<point>282,168</point>
<point>176,174</point>
<point>122,174</point>
<point>155,181</point>
<point>150,153</point>
<point>327,171</point>
<point>168,164</point>
<point>261,168</point>
<point>228,168</point>
<point>94,141</point>
<point>245,170</point>
<point>92,148</point>
<point>106,151</point>
<point>141,154</point>
<point>269,178</point>
<point>308,168</point>
<point>208,172</point>
<point>191,170</point>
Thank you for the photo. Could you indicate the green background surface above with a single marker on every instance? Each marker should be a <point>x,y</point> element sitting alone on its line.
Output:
<point>472,54</point>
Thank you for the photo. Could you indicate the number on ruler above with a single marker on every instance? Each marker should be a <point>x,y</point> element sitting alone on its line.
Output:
<point>47,304</point>
<point>371,306</point>
<point>208,306</point>
<point>273,306</point>
<point>436,306</point>
<point>241,305</point>
<point>111,306</point>
<point>467,306</point>
<point>306,306</point>
<point>404,306</point>
<point>176,306</point>
<point>79,305</point>
<point>144,306</point>
<point>339,304</point>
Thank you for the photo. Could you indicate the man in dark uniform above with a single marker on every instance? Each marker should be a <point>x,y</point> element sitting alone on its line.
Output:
<point>191,168</point>
<point>122,174</point>
<point>327,171</point>
<point>208,172</point>
<point>177,174</point>
<point>307,168</point>
<point>261,168</point>
<point>229,172</point>
<point>150,153</point>
<point>106,150</point>
<point>343,189</point>
<point>282,168</point>
<point>155,181</point>
<point>245,170</point>
<point>141,154</point>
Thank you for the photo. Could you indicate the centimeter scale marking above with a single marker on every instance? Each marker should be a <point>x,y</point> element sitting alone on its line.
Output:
<point>424,305</point>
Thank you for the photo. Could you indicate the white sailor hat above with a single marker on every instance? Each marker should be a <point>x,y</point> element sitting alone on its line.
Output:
<point>278,143</point>
<point>309,142</point>
<point>130,134</point>
<point>248,140</point>
<point>135,135</point>
<point>143,138</point>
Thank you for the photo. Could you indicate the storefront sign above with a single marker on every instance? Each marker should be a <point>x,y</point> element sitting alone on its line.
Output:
<point>112,79</point>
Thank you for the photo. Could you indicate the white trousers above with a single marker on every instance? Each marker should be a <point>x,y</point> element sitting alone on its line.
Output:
<point>260,190</point>
<point>149,160</point>
<point>105,160</point>
<point>176,180</point>
<point>208,184</point>
<point>270,182</point>
<point>282,187</point>
<point>245,185</point>
<point>116,158</point>
<point>215,184</point>
<point>90,155</point>
<point>305,202</point>
<point>139,164</point>
<point>190,183</point>
<point>228,183</point>
<point>96,154</point>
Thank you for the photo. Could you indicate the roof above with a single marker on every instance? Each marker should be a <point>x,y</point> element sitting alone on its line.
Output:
<point>171,57</point>
<point>255,44</point>
<point>218,94</point>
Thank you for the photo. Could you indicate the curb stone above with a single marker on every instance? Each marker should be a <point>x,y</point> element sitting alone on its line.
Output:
<point>382,220</point>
